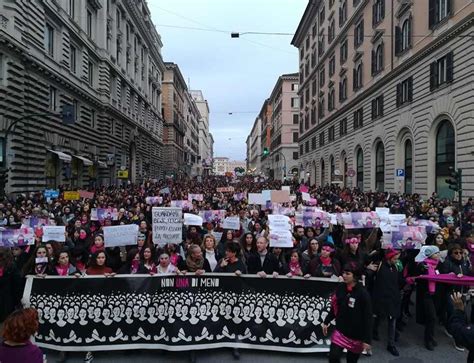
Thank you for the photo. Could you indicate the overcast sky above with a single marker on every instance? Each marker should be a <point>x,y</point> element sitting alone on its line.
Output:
<point>235,75</point>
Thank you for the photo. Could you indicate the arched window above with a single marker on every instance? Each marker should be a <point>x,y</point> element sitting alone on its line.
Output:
<point>379,58</point>
<point>358,77</point>
<point>445,149</point>
<point>323,176</point>
<point>331,100</point>
<point>408,167</point>
<point>333,168</point>
<point>406,34</point>
<point>343,90</point>
<point>380,167</point>
<point>360,170</point>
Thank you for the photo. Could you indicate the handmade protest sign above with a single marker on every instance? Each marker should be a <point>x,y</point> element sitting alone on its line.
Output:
<point>86,194</point>
<point>266,195</point>
<point>225,189</point>
<point>239,196</point>
<point>256,198</point>
<point>101,214</point>
<point>17,237</point>
<point>280,196</point>
<point>358,220</point>
<point>306,197</point>
<point>167,223</point>
<point>123,235</point>
<point>213,216</point>
<point>54,233</point>
<point>404,237</point>
<point>192,220</point>
<point>71,195</point>
<point>231,223</point>
<point>181,313</point>
<point>279,222</point>
<point>198,197</point>
<point>153,200</point>
<point>183,204</point>
<point>281,239</point>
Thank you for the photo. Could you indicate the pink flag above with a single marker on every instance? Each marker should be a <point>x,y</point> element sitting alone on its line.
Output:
<point>304,188</point>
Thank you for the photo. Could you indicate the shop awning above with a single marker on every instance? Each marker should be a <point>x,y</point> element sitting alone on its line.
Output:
<point>102,164</point>
<point>84,160</point>
<point>61,155</point>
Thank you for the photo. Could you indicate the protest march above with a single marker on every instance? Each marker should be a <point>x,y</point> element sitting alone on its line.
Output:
<point>238,263</point>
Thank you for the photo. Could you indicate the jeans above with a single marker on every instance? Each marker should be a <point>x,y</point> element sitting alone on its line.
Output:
<point>336,353</point>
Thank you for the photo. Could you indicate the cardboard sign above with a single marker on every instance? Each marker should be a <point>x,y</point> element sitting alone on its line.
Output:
<point>198,197</point>
<point>280,196</point>
<point>123,235</point>
<point>54,233</point>
<point>167,225</point>
<point>85,194</point>
<point>71,195</point>
<point>231,223</point>
<point>225,189</point>
<point>256,198</point>
<point>192,220</point>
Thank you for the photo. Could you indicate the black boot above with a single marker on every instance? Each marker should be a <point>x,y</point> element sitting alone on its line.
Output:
<point>393,350</point>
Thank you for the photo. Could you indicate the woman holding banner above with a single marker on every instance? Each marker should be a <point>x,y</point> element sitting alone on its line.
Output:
<point>351,307</point>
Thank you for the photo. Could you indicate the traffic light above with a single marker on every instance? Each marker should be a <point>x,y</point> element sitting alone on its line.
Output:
<point>265,151</point>
<point>455,182</point>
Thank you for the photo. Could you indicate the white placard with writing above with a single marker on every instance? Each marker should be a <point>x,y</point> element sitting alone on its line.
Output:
<point>123,235</point>
<point>192,220</point>
<point>279,222</point>
<point>306,196</point>
<point>256,198</point>
<point>231,223</point>
<point>54,233</point>
<point>281,239</point>
<point>167,225</point>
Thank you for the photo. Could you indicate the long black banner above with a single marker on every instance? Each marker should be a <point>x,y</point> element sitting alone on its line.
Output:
<point>180,312</point>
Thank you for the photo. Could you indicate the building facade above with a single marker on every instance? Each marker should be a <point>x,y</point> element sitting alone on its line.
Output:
<point>103,58</point>
<point>205,148</point>
<point>254,147</point>
<point>380,92</point>
<point>191,138</point>
<point>284,127</point>
<point>174,109</point>
<point>265,116</point>
<point>220,165</point>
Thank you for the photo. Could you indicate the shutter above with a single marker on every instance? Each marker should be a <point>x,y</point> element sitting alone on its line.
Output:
<point>410,25</point>
<point>382,9</point>
<point>410,89</point>
<point>449,7</point>
<point>374,13</point>
<point>374,106</point>
<point>432,13</point>
<point>433,75</point>
<point>340,91</point>
<point>381,106</point>
<point>449,67</point>
<point>362,31</point>
<point>361,118</point>
<point>398,40</point>
<point>382,60</point>
<point>354,81</point>
<point>374,62</point>
<point>355,37</point>
<point>399,94</point>
<point>340,17</point>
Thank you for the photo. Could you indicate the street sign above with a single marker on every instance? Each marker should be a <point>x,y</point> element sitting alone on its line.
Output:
<point>400,173</point>
<point>351,172</point>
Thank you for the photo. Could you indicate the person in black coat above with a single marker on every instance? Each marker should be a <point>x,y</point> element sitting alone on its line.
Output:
<point>352,308</point>
<point>262,262</point>
<point>195,262</point>
<point>10,284</point>
<point>386,297</point>
<point>231,263</point>
<point>462,332</point>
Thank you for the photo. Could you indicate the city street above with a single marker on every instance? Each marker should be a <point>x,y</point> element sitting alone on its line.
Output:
<point>410,346</point>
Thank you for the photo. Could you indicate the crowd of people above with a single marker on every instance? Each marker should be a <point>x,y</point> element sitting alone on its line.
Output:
<point>377,284</point>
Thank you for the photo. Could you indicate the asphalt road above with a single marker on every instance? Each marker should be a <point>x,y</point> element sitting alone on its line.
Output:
<point>410,346</point>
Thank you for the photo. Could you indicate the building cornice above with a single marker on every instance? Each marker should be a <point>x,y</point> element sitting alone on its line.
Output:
<point>305,23</point>
<point>382,82</point>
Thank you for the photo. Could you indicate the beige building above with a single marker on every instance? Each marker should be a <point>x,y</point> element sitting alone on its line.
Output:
<point>205,137</point>
<point>284,127</point>
<point>380,92</point>
<point>254,147</point>
<point>223,165</point>
<point>174,114</point>
<point>101,57</point>
<point>191,138</point>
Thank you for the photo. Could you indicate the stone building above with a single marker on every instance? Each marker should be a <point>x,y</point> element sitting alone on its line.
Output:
<point>381,92</point>
<point>101,57</point>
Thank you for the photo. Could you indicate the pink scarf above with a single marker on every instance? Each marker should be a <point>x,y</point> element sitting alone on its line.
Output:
<point>62,270</point>
<point>294,267</point>
<point>431,264</point>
